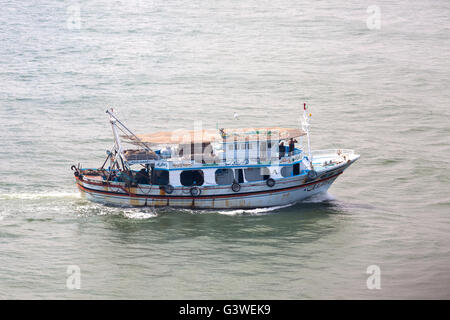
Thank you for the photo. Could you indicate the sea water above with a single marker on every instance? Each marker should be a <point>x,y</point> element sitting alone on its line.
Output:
<point>375,75</point>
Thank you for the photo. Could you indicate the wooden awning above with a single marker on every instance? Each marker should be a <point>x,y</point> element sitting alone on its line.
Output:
<point>208,135</point>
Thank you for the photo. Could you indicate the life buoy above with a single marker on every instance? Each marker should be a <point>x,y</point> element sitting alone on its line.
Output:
<point>168,188</point>
<point>195,191</point>
<point>312,174</point>
<point>270,182</point>
<point>235,187</point>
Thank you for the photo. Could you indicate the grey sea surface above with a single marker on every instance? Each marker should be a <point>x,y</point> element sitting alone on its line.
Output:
<point>374,73</point>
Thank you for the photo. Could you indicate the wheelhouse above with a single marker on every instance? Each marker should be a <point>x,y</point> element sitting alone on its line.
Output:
<point>207,157</point>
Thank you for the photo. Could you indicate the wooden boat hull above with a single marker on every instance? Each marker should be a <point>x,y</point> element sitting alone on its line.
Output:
<point>251,195</point>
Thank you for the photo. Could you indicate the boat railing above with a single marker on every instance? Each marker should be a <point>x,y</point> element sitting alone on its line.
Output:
<point>182,162</point>
<point>187,163</point>
<point>328,152</point>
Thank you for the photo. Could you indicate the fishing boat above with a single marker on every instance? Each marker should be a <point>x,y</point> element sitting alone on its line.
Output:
<point>212,168</point>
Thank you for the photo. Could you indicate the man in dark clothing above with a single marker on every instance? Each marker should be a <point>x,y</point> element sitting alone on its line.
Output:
<point>292,146</point>
<point>281,150</point>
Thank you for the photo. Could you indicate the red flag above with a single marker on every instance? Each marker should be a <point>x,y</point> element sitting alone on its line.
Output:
<point>304,106</point>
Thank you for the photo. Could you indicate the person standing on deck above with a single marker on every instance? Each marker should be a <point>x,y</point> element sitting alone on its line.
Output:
<point>281,150</point>
<point>292,146</point>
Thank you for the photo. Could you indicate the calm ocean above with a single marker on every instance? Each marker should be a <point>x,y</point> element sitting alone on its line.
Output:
<point>375,74</point>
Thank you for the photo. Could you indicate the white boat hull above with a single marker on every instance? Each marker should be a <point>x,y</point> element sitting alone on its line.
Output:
<point>251,195</point>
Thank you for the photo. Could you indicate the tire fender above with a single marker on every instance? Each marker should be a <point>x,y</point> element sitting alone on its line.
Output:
<point>195,191</point>
<point>270,182</point>
<point>168,188</point>
<point>236,187</point>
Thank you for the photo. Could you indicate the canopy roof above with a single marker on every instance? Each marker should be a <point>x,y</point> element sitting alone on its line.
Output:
<point>209,135</point>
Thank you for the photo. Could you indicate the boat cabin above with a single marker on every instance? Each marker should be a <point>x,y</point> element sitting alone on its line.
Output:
<point>211,157</point>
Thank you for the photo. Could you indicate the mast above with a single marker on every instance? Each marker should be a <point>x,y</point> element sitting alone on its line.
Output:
<point>116,125</point>
<point>305,127</point>
<point>130,133</point>
<point>118,142</point>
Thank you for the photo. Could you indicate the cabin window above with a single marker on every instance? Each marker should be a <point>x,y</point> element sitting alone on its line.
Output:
<point>296,169</point>
<point>191,178</point>
<point>257,174</point>
<point>224,176</point>
<point>160,177</point>
<point>287,171</point>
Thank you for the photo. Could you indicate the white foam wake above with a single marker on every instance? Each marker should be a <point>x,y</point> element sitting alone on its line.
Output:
<point>139,213</point>
<point>257,211</point>
<point>39,195</point>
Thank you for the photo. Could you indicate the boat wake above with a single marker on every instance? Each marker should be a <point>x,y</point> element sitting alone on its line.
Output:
<point>139,214</point>
<point>86,208</point>
<point>257,211</point>
<point>39,195</point>
<point>318,198</point>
